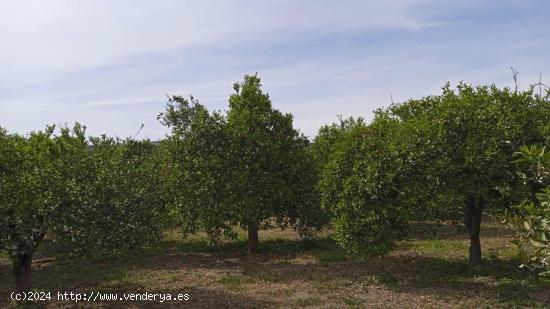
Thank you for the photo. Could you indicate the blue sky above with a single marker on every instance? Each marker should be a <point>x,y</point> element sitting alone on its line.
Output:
<point>110,64</point>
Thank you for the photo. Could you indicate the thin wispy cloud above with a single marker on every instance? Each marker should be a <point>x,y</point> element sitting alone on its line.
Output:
<point>110,64</point>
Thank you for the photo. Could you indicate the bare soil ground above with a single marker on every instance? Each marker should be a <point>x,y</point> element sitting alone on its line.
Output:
<point>426,271</point>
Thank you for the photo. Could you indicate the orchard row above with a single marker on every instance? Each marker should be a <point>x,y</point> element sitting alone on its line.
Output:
<point>445,157</point>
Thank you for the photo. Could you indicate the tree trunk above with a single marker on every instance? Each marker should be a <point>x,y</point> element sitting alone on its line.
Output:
<point>22,271</point>
<point>472,220</point>
<point>252,238</point>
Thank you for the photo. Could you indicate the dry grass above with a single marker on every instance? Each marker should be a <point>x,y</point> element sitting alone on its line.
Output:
<point>426,271</point>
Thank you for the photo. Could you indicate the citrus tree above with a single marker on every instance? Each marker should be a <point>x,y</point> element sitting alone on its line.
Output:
<point>362,186</point>
<point>531,217</point>
<point>197,160</point>
<point>272,173</point>
<point>119,204</point>
<point>52,185</point>
<point>433,158</point>
<point>249,168</point>
<point>37,174</point>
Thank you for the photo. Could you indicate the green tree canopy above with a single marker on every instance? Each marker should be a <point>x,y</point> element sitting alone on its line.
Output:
<point>119,203</point>
<point>247,168</point>
<point>198,170</point>
<point>435,156</point>
<point>52,185</point>
<point>531,217</point>
<point>37,174</point>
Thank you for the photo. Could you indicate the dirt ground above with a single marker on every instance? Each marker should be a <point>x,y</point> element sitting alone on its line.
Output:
<point>426,271</point>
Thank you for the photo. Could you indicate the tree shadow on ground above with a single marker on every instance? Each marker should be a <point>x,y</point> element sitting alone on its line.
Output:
<point>499,281</point>
<point>454,231</point>
<point>324,265</point>
<point>56,270</point>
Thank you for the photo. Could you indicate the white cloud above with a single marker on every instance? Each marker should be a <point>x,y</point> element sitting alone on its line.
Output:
<point>108,63</point>
<point>42,39</point>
